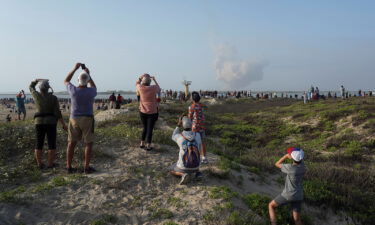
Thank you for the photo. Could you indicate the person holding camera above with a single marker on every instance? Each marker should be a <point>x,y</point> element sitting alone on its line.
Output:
<point>20,103</point>
<point>148,107</point>
<point>189,144</point>
<point>293,190</point>
<point>81,122</point>
<point>45,119</point>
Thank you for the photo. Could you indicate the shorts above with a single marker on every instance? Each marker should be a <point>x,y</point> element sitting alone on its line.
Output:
<point>81,127</point>
<point>41,131</point>
<point>296,205</point>
<point>202,133</point>
<point>21,110</point>
<point>175,168</point>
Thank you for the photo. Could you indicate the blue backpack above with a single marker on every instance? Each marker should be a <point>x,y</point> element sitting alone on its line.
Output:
<point>191,158</point>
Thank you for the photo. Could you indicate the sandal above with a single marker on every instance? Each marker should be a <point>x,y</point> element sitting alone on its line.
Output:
<point>142,146</point>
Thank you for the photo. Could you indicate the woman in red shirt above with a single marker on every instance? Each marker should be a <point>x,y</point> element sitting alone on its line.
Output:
<point>148,107</point>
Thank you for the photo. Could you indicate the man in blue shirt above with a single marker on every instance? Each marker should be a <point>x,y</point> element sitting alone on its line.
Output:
<point>20,103</point>
<point>81,122</point>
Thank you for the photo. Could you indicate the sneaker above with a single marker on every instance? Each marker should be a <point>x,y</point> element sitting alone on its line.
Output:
<point>198,176</point>
<point>185,179</point>
<point>42,166</point>
<point>89,170</point>
<point>204,161</point>
<point>71,170</point>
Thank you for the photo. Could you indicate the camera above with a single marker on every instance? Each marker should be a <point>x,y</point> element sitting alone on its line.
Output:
<point>83,66</point>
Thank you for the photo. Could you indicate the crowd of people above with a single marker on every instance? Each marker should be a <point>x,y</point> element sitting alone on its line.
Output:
<point>189,134</point>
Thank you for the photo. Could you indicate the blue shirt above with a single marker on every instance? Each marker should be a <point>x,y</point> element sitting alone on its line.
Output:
<point>20,102</point>
<point>82,100</point>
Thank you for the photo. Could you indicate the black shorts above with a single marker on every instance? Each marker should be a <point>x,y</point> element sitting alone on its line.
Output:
<point>41,131</point>
<point>296,205</point>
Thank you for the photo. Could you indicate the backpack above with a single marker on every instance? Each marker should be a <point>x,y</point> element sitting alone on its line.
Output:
<point>191,157</point>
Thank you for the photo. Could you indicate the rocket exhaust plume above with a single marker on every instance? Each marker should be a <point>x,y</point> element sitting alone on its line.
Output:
<point>236,73</point>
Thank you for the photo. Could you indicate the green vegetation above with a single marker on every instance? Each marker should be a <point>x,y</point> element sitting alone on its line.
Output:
<point>222,192</point>
<point>104,219</point>
<point>334,134</point>
<point>12,195</point>
<point>162,214</point>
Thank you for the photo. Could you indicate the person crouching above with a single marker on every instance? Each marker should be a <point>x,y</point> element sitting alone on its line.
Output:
<point>189,147</point>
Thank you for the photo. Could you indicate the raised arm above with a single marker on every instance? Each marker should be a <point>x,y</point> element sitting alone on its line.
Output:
<point>281,160</point>
<point>91,81</point>
<point>71,73</point>
<point>153,78</point>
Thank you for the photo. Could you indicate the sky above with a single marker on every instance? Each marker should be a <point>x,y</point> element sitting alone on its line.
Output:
<point>216,44</point>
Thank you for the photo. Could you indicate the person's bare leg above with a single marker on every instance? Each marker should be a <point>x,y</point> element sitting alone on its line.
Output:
<point>51,157</point>
<point>24,116</point>
<point>88,150</point>
<point>297,218</point>
<point>70,153</point>
<point>203,149</point>
<point>179,174</point>
<point>38,156</point>
<point>272,211</point>
<point>19,116</point>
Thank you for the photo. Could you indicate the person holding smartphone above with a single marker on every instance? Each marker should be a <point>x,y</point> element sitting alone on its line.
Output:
<point>20,103</point>
<point>45,119</point>
<point>81,122</point>
<point>148,107</point>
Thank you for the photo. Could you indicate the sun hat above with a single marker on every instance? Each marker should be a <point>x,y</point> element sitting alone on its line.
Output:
<point>186,122</point>
<point>83,79</point>
<point>296,153</point>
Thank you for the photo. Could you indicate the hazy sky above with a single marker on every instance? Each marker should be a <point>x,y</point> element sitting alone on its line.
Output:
<point>257,45</point>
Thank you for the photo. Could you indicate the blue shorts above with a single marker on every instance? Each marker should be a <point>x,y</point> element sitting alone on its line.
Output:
<point>21,110</point>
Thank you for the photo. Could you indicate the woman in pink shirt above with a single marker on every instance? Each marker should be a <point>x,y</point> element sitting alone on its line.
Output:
<point>148,107</point>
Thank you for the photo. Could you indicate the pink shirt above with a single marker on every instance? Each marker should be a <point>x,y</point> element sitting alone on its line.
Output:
<point>148,103</point>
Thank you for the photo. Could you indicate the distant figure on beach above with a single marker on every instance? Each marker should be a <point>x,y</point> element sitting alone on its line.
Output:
<point>8,118</point>
<point>293,190</point>
<point>119,101</point>
<point>304,96</point>
<point>196,114</point>
<point>46,117</point>
<point>148,108</point>
<point>342,90</point>
<point>112,101</point>
<point>20,103</point>
<point>189,146</point>
<point>81,122</point>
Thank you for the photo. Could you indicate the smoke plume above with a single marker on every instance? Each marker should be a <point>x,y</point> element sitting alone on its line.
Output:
<point>236,73</point>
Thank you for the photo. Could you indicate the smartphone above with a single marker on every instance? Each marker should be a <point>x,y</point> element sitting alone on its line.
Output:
<point>83,66</point>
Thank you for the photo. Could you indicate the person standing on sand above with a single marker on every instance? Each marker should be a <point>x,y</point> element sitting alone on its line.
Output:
<point>20,103</point>
<point>342,89</point>
<point>112,101</point>
<point>293,190</point>
<point>81,122</point>
<point>46,116</point>
<point>189,144</point>
<point>148,107</point>
<point>197,116</point>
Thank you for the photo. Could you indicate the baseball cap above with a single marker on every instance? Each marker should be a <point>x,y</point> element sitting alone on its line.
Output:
<point>186,122</point>
<point>296,153</point>
<point>44,85</point>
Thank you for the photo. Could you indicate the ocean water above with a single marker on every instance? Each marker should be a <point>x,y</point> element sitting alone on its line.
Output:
<point>65,96</point>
